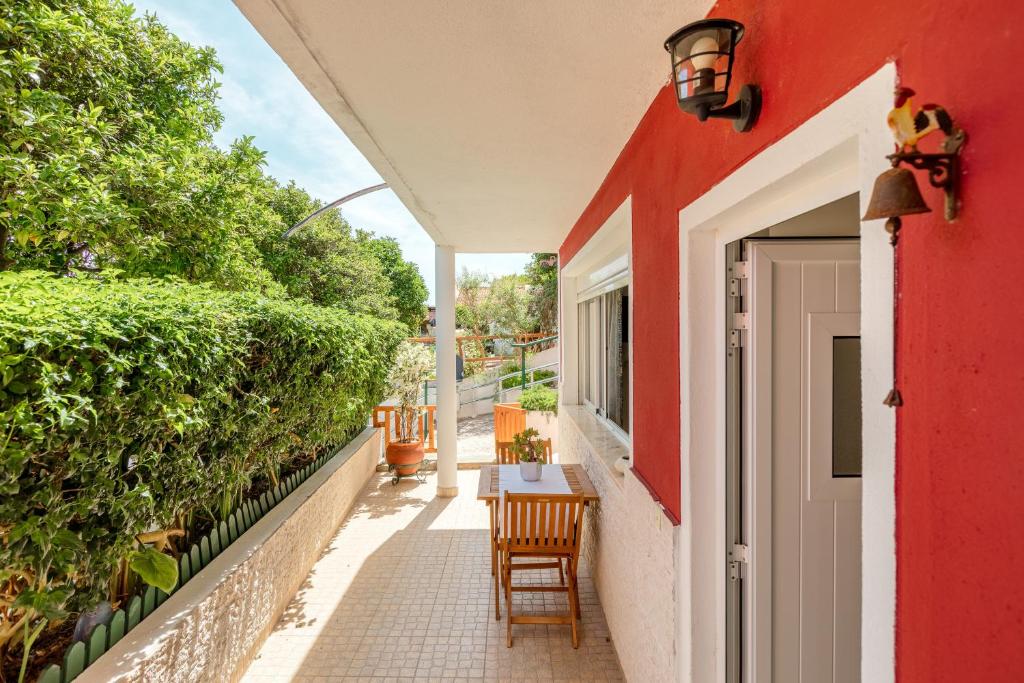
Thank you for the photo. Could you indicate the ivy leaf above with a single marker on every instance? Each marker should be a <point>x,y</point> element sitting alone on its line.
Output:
<point>155,568</point>
<point>19,388</point>
<point>48,603</point>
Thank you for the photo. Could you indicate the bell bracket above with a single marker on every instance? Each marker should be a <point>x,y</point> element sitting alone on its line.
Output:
<point>943,167</point>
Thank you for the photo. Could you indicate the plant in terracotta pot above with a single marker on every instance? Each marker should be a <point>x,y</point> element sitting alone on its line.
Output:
<point>414,363</point>
<point>527,445</point>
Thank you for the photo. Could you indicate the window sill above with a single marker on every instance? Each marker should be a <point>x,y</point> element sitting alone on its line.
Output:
<point>604,444</point>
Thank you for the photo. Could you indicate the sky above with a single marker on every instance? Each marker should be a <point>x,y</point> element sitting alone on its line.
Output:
<point>261,97</point>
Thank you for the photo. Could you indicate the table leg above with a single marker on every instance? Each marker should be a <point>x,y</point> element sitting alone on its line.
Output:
<point>494,561</point>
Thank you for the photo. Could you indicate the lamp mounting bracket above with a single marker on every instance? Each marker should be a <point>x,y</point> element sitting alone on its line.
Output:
<point>743,112</point>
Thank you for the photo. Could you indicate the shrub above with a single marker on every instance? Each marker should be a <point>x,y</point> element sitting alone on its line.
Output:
<point>139,405</point>
<point>539,398</point>
<point>535,376</point>
<point>414,363</point>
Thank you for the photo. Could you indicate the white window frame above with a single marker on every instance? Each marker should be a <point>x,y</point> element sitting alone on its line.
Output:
<point>602,265</point>
<point>593,354</point>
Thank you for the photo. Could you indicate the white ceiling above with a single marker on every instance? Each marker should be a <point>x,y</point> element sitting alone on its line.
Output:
<point>493,121</point>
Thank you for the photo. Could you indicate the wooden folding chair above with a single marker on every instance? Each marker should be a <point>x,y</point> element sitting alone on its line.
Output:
<point>541,526</point>
<point>505,456</point>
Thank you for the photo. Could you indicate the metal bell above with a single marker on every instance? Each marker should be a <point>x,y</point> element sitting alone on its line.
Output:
<point>895,194</point>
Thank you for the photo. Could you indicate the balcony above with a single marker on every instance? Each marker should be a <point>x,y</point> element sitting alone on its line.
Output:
<point>404,592</point>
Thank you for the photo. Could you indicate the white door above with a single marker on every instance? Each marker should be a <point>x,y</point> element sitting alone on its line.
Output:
<point>801,455</point>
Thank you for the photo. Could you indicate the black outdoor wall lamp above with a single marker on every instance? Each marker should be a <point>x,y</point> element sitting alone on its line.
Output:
<point>702,55</point>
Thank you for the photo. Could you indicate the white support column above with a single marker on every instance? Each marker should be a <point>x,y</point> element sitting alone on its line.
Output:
<point>447,399</point>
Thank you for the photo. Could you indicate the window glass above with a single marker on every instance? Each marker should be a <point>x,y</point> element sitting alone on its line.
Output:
<point>583,359</point>
<point>594,353</point>
<point>617,357</point>
<point>603,355</point>
<point>846,407</point>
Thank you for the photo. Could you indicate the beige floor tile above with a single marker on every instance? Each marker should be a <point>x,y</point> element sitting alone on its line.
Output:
<point>404,593</point>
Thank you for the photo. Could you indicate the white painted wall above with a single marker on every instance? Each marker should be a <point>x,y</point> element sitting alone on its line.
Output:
<point>630,548</point>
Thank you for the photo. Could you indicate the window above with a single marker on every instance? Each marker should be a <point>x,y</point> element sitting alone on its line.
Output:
<point>604,356</point>
<point>846,407</point>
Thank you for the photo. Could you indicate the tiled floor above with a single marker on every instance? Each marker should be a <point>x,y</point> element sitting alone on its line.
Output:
<point>404,592</point>
<point>476,438</point>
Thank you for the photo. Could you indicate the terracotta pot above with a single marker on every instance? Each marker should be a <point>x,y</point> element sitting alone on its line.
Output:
<point>406,456</point>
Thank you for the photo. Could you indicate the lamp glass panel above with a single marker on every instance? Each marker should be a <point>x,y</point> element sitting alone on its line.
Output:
<point>691,59</point>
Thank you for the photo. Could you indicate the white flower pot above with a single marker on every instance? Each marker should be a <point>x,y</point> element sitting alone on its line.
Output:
<point>530,471</point>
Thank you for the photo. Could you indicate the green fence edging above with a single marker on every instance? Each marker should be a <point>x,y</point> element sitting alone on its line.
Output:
<point>81,654</point>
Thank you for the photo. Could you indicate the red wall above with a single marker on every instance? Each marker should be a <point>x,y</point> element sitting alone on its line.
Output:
<point>960,450</point>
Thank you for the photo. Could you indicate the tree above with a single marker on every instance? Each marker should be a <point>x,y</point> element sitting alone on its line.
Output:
<point>488,305</point>
<point>470,302</point>
<point>507,306</point>
<point>542,274</point>
<point>107,161</point>
<point>106,119</point>
<point>323,262</point>
<point>407,289</point>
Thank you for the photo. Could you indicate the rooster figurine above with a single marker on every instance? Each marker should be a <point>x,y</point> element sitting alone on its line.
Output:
<point>908,128</point>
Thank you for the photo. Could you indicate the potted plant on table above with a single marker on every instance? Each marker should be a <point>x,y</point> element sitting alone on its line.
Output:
<point>414,363</point>
<point>528,447</point>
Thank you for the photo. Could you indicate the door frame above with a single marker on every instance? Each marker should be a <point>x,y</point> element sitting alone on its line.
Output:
<point>834,153</point>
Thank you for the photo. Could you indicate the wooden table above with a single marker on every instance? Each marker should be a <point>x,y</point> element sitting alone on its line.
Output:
<point>489,491</point>
<point>575,476</point>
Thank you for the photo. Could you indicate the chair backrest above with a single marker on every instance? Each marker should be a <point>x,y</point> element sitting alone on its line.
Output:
<point>542,522</point>
<point>507,457</point>
<point>509,420</point>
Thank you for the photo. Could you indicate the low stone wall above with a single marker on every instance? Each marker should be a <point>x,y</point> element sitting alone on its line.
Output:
<point>212,628</point>
<point>630,547</point>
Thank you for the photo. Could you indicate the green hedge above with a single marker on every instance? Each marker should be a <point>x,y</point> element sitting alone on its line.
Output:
<point>135,405</point>
<point>539,398</point>
<point>531,376</point>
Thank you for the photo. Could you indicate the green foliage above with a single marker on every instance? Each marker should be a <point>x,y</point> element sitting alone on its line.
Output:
<point>107,160</point>
<point>534,375</point>
<point>539,398</point>
<point>542,274</point>
<point>488,305</point>
<point>407,289</point>
<point>323,262</point>
<point>155,568</point>
<point>470,304</point>
<point>527,446</point>
<point>507,306</point>
<point>130,405</point>
<point>105,118</point>
<point>413,364</point>
<point>140,404</point>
